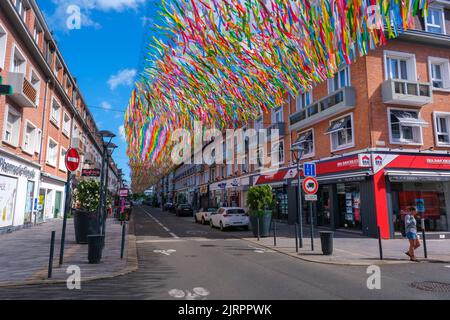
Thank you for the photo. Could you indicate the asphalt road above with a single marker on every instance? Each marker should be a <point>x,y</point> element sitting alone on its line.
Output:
<point>179,259</point>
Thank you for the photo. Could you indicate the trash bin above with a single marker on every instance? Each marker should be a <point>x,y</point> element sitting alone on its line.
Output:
<point>326,240</point>
<point>95,247</point>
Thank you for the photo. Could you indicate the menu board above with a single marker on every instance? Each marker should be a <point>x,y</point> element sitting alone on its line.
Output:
<point>8,190</point>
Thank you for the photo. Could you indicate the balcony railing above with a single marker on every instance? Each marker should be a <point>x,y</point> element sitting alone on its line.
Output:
<point>336,102</point>
<point>280,126</point>
<point>405,92</point>
<point>23,91</point>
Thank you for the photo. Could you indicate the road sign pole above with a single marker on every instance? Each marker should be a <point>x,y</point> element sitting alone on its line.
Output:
<point>300,205</point>
<point>67,206</point>
<point>311,221</point>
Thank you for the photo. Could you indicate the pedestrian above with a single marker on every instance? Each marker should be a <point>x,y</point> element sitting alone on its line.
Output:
<point>411,232</point>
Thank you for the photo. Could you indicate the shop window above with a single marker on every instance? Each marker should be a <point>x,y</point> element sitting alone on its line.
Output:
<point>406,126</point>
<point>11,132</point>
<point>439,72</point>
<point>349,205</point>
<point>52,152</point>
<point>306,141</point>
<point>442,125</point>
<point>303,100</point>
<point>341,133</point>
<point>340,79</point>
<point>400,65</point>
<point>3,43</point>
<point>434,22</point>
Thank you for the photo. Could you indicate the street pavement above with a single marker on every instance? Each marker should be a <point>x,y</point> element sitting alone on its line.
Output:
<point>179,259</point>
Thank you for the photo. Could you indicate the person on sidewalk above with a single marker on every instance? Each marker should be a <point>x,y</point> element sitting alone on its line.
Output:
<point>411,232</point>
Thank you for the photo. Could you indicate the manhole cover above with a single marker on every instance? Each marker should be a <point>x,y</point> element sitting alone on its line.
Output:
<point>433,286</point>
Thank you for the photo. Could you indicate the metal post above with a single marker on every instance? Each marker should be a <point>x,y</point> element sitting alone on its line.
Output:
<point>101,190</point>
<point>67,207</point>
<point>312,225</point>
<point>380,247</point>
<point>50,258</point>
<point>122,246</point>
<point>424,240</point>
<point>105,197</point>
<point>296,237</point>
<point>300,205</point>
<point>257,224</point>
<point>274,233</point>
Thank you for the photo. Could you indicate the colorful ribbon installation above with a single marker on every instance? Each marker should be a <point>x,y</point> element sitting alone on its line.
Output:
<point>227,61</point>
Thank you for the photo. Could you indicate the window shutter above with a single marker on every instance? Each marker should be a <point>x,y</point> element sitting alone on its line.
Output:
<point>38,141</point>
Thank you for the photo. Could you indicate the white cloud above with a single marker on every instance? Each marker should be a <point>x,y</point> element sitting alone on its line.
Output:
<point>123,77</point>
<point>105,106</point>
<point>122,132</point>
<point>118,5</point>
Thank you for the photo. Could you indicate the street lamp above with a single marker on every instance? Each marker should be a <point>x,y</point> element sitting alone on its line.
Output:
<point>110,149</point>
<point>298,151</point>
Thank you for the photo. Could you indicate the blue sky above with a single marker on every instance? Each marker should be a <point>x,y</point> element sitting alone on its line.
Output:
<point>104,55</point>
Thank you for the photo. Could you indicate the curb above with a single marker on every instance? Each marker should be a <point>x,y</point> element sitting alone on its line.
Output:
<point>131,266</point>
<point>341,263</point>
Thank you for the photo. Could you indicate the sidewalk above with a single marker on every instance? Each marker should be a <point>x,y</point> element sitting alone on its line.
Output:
<point>24,255</point>
<point>349,249</point>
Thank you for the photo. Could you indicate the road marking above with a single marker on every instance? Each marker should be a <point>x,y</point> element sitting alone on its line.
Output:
<point>163,226</point>
<point>259,250</point>
<point>159,240</point>
<point>447,266</point>
<point>165,252</point>
<point>198,293</point>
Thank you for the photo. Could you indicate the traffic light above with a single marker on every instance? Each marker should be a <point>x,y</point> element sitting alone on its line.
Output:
<point>5,89</point>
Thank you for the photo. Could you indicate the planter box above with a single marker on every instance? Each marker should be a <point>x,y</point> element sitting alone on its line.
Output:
<point>265,222</point>
<point>85,223</point>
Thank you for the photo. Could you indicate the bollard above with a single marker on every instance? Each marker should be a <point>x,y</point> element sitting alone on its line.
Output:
<point>296,237</point>
<point>380,247</point>
<point>122,247</point>
<point>50,258</point>
<point>312,225</point>
<point>257,226</point>
<point>425,253</point>
<point>274,233</point>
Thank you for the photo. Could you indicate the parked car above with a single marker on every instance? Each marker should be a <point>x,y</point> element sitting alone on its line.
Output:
<point>168,206</point>
<point>229,217</point>
<point>204,216</point>
<point>184,210</point>
<point>147,202</point>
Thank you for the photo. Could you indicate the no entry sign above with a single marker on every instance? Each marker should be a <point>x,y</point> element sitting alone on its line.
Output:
<point>72,159</point>
<point>310,185</point>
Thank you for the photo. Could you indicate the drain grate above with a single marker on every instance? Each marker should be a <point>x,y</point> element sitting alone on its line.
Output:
<point>432,286</point>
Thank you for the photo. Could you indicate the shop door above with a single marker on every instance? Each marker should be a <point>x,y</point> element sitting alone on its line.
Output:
<point>324,206</point>
<point>41,205</point>
<point>349,208</point>
<point>57,210</point>
<point>29,202</point>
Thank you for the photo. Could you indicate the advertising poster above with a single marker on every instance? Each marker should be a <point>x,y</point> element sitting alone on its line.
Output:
<point>8,190</point>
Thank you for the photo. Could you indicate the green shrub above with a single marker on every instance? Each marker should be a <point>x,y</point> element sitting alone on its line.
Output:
<point>86,195</point>
<point>260,200</point>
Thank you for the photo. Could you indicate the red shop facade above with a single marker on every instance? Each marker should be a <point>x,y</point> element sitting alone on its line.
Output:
<point>360,192</point>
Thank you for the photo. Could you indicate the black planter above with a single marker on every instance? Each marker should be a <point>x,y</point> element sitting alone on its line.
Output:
<point>264,224</point>
<point>85,223</point>
<point>326,240</point>
<point>95,247</point>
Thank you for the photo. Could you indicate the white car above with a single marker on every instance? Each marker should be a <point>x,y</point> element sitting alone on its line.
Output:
<point>204,216</point>
<point>227,217</point>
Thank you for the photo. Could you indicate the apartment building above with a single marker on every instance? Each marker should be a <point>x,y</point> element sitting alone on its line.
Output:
<point>43,117</point>
<point>379,133</point>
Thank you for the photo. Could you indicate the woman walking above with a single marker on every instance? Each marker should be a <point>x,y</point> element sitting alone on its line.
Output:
<point>411,233</point>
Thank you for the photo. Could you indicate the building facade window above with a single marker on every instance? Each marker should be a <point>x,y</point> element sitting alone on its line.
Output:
<point>400,65</point>
<point>258,124</point>
<point>303,100</point>
<point>3,43</point>
<point>442,128</point>
<point>434,22</point>
<point>277,115</point>
<point>439,69</point>
<point>18,61</point>
<point>30,137</point>
<point>36,83</point>
<point>52,152</point>
<point>19,5</point>
<point>66,125</point>
<point>306,141</point>
<point>55,113</point>
<point>62,159</point>
<point>341,133</point>
<point>12,126</point>
<point>405,126</point>
<point>340,79</point>
<point>37,31</point>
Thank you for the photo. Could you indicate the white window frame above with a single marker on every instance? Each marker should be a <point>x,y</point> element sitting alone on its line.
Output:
<point>36,87</point>
<point>15,142</point>
<point>64,131</point>
<point>436,115</point>
<point>330,82</point>
<point>33,141</point>
<point>301,101</point>
<point>48,153</point>
<point>62,159</point>
<point>38,145</point>
<point>37,30</point>
<point>52,117</point>
<point>403,142</point>
<point>12,67</point>
<point>411,65</point>
<point>313,153</point>
<point>442,26</point>
<point>3,45</point>
<point>23,7</point>
<point>275,113</point>
<point>347,145</point>
<point>445,72</point>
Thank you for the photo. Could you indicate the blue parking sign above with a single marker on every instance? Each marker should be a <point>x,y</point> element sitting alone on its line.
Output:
<point>309,169</point>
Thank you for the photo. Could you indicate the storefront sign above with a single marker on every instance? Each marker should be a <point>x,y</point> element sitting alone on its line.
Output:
<point>90,172</point>
<point>10,168</point>
<point>8,190</point>
<point>123,193</point>
<point>364,160</point>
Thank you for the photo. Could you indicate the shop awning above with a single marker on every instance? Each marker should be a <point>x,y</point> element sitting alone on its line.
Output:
<point>417,176</point>
<point>406,118</point>
<point>277,176</point>
<point>337,126</point>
